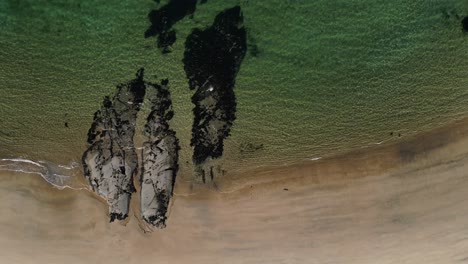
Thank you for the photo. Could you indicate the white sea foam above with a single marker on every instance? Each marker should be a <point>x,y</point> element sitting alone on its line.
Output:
<point>23,160</point>
<point>56,175</point>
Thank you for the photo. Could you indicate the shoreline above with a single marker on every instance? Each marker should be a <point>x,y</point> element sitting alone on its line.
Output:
<point>399,152</point>
<point>375,159</point>
<point>392,203</point>
<point>372,159</point>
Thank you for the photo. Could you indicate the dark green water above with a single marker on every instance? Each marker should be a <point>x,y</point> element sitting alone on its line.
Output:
<point>329,76</point>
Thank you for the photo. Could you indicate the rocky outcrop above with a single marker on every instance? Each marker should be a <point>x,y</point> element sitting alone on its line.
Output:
<point>212,60</point>
<point>111,161</point>
<point>160,157</point>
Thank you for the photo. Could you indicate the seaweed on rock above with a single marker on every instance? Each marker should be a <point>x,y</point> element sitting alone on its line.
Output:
<point>160,158</point>
<point>111,161</point>
<point>212,60</point>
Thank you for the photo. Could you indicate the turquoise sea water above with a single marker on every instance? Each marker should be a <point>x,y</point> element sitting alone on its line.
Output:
<point>329,76</point>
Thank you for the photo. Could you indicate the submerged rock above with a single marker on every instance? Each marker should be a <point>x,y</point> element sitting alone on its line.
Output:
<point>465,24</point>
<point>165,40</point>
<point>212,60</point>
<point>164,18</point>
<point>160,157</point>
<point>111,161</point>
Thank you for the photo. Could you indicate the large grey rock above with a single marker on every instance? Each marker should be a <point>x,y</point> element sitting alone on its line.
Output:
<point>111,161</point>
<point>160,158</point>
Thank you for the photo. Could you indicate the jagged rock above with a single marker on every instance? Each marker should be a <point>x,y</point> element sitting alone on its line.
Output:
<point>212,60</point>
<point>160,157</point>
<point>111,161</point>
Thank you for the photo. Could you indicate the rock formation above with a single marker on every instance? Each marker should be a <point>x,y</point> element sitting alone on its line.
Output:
<point>160,157</point>
<point>111,161</point>
<point>212,60</point>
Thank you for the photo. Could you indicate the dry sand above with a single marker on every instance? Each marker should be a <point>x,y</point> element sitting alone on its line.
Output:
<point>401,203</point>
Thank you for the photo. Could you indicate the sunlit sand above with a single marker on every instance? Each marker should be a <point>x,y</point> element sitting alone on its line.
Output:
<point>403,202</point>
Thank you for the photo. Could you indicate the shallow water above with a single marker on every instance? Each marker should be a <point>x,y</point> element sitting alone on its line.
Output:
<point>328,76</point>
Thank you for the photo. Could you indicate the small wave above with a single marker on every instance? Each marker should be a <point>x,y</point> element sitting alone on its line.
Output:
<point>57,175</point>
<point>72,166</point>
<point>23,160</point>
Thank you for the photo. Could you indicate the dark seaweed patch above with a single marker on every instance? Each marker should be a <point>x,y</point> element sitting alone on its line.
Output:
<point>159,218</point>
<point>212,60</point>
<point>164,18</point>
<point>165,40</point>
<point>118,216</point>
<point>253,50</point>
<point>465,24</point>
<point>252,44</point>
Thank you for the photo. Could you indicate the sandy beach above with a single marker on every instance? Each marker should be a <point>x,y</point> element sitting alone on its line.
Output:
<point>404,202</point>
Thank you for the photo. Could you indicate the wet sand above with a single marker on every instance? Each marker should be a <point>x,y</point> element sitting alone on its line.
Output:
<point>406,202</point>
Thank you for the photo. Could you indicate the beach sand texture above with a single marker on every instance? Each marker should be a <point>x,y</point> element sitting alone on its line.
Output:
<point>400,203</point>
